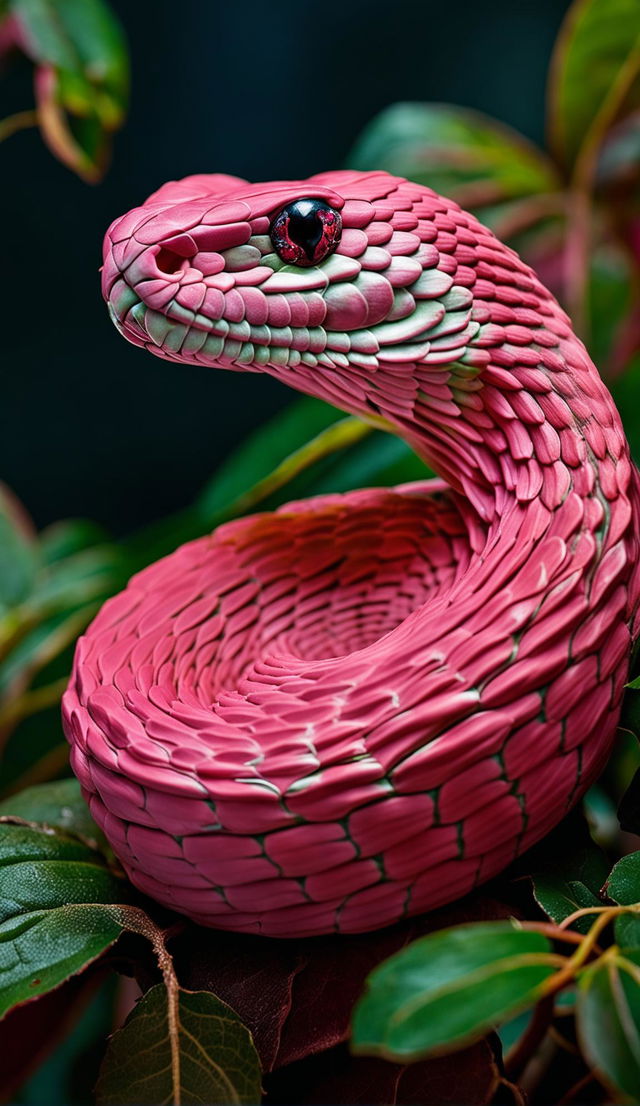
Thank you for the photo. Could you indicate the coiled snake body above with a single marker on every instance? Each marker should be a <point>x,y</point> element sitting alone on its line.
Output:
<point>360,706</point>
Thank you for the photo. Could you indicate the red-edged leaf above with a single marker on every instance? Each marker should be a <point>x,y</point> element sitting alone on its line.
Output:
<point>82,77</point>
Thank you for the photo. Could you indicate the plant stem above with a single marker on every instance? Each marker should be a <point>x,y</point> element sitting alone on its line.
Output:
<point>518,1096</point>
<point>571,1094</point>
<point>587,945</point>
<point>138,921</point>
<point>519,1056</point>
<point>555,932</point>
<point>18,122</point>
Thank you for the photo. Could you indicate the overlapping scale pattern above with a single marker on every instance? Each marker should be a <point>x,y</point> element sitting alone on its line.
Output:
<point>360,706</point>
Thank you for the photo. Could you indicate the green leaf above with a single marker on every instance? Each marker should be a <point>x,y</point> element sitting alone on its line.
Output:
<point>53,921</point>
<point>571,883</point>
<point>18,552</point>
<point>449,988</point>
<point>380,460</point>
<point>39,646</point>
<point>82,79</point>
<point>58,804</point>
<point>595,62</point>
<point>512,1030</point>
<point>623,886</point>
<point>301,434</point>
<point>608,1020</point>
<point>458,152</point>
<point>62,539</point>
<point>207,1057</point>
<point>72,581</point>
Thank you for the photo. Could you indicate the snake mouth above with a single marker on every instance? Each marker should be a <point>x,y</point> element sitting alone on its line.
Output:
<point>181,334</point>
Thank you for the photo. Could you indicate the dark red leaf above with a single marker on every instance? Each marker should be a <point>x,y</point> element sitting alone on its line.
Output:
<point>297,996</point>
<point>470,1076</point>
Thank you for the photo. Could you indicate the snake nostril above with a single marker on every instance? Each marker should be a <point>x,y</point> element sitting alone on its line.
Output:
<point>168,261</point>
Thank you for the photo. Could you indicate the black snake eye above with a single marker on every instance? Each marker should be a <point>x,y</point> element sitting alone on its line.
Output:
<point>306,231</point>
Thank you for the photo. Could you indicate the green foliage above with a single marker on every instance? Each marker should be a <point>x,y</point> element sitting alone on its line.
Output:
<point>455,151</point>
<point>18,557</point>
<point>567,216</point>
<point>608,1017</point>
<point>571,883</point>
<point>58,805</point>
<point>82,77</point>
<point>623,887</point>
<point>450,988</point>
<point>204,1055</point>
<point>52,919</point>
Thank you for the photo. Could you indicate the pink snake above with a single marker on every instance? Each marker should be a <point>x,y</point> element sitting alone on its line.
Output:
<point>361,706</point>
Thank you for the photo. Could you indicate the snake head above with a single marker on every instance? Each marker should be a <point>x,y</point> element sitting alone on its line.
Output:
<point>341,285</point>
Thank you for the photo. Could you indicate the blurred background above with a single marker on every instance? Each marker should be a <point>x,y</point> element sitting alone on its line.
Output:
<point>94,427</point>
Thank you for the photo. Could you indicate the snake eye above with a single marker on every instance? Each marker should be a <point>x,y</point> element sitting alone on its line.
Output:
<point>305,232</point>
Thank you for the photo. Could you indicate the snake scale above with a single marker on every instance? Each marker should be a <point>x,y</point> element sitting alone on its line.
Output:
<point>360,706</point>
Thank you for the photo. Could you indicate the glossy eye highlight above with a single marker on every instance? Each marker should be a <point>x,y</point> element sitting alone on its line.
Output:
<point>306,231</point>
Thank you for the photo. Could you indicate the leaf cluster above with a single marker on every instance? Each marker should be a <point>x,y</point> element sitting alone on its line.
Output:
<point>81,77</point>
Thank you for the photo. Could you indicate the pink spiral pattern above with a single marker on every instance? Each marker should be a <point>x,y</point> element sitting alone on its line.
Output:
<point>360,706</point>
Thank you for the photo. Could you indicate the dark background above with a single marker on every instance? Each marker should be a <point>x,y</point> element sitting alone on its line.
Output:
<point>262,89</point>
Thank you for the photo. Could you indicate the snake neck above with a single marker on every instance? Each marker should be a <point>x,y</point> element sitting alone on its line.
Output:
<point>516,423</point>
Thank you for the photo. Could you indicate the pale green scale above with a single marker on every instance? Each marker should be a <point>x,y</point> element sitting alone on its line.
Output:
<point>427,315</point>
<point>458,299</point>
<point>431,284</point>
<point>239,258</point>
<point>413,351</point>
<point>247,354</point>
<point>175,337</point>
<point>122,298</point>
<point>338,340</point>
<point>195,340</point>
<point>364,341</point>
<point>214,346</point>
<point>240,331</point>
<point>403,305</point>
<point>156,325</point>
<point>340,267</point>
